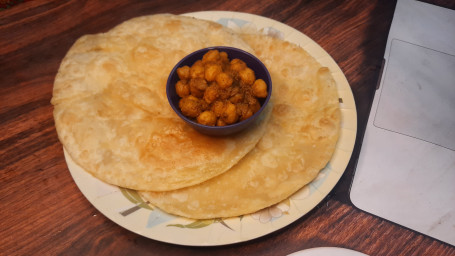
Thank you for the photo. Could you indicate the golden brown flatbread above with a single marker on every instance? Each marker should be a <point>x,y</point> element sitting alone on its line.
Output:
<point>300,139</point>
<point>112,114</point>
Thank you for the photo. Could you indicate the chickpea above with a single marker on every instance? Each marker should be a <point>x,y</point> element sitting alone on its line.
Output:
<point>211,94</point>
<point>184,72</point>
<point>246,115</point>
<point>197,87</point>
<point>229,115</point>
<point>218,108</point>
<point>237,65</point>
<point>211,56</point>
<point>243,111</point>
<point>224,80</point>
<point>254,105</point>
<point>241,107</point>
<point>259,88</point>
<point>204,105</point>
<point>236,98</point>
<point>224,58</point>
<point>220,122</point>
<point>247,76</point>
<point>198,63</point>
<point>182,88</point>
<point>190,106</point>
<point>207,118</point>
<point>197,70</point>
<point>225,93</point>
<point>211,71</point>
<point>198,83</point>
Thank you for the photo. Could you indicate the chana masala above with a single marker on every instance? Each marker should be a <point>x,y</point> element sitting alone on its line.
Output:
<point>216,91</point>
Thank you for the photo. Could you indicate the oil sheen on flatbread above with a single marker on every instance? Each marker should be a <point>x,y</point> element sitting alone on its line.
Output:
<point>112,114</point>
<point>299,141</point>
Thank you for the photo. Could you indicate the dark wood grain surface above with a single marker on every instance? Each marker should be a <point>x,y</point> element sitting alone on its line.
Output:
<point>44,213</point>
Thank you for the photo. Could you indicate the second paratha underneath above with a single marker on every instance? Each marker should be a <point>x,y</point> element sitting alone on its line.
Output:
<point>299,141</point>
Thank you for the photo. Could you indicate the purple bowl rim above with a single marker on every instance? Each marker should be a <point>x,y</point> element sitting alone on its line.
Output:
<point>226,127</point>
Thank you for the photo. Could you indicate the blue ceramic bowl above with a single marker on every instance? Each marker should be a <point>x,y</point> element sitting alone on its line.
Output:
<point>233,53</point>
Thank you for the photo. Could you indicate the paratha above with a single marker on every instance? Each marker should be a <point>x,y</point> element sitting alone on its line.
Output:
<point>112,114</point>
<point>300,139</point>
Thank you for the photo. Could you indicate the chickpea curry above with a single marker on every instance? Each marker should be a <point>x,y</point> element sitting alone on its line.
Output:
<point>216,91</point>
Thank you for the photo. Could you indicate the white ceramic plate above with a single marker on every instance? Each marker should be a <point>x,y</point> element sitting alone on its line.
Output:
<point>327,251</point>
<point>128,210</point>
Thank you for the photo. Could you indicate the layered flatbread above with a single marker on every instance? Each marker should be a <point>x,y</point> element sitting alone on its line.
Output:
<point>112,114</point>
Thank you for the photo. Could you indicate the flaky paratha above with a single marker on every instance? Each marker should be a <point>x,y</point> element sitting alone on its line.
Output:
<point>300,139</point>
<point>112,114</point>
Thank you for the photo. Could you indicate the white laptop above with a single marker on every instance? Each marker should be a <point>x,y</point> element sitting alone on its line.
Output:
<point>406,168</point>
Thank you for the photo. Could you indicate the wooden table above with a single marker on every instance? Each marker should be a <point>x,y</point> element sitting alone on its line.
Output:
<point>44,213</point>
